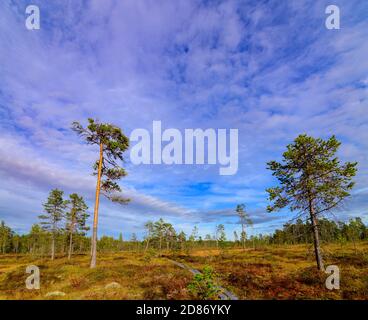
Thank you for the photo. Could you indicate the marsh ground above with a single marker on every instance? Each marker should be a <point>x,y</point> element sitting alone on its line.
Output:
<point>272,272</point>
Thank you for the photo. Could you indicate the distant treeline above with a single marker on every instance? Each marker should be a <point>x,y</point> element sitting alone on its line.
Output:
<point>330,231</point>
<point>161,235</point>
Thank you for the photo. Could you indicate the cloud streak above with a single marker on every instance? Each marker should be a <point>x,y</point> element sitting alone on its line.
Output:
<point>270,69</point>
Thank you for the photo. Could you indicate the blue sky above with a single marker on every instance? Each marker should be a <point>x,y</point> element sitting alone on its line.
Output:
<point>268,68</point>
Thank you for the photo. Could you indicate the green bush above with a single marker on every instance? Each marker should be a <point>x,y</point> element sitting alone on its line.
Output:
<point>203,286</point>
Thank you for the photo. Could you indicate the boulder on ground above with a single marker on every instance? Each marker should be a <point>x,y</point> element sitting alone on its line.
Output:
<point>55,294</point>
<point>113,285</point>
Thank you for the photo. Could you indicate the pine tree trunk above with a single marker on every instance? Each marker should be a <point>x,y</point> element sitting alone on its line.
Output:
<point>317,248</point>
<point>91,247</point>
<point>53,247</point>
<point>71,237</point>
<point>145,250</point>
<point>95,216</point>
<point>70,245</point>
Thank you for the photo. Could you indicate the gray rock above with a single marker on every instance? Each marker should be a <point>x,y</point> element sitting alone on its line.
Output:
<point>55,294</point>
<point>113,285</point>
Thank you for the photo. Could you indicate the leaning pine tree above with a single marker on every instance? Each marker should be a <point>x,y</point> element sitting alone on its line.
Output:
<point>112,143</point>
<point>54,209</point>
<point>312,181</point>
<point>76,218</point>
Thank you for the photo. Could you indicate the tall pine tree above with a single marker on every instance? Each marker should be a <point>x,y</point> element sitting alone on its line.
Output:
<point>244,220</point>
<point>76,218</point>
<point>312,180</point>
<point>54,208</point>
<point>112,143</point>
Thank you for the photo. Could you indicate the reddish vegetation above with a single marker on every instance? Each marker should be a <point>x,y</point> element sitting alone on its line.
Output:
<point>285,272</point>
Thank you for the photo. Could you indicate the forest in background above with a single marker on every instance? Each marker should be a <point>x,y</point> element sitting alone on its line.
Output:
<point>161,235</point>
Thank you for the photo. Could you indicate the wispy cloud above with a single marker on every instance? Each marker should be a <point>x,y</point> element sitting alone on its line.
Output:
<point>270,69</point>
